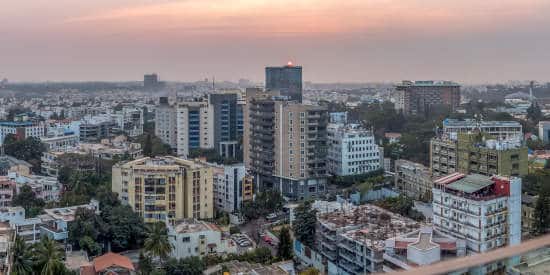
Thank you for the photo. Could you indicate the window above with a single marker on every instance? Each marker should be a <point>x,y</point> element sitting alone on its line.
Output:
<point>186,239</point>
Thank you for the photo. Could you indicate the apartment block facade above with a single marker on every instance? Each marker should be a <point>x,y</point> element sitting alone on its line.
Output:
<point>419,97</point>
<point>165,188</point>
<point>413,180</point>
<point>227,108</point>
<point>352,150</point>
<point>232,187</point>
<point>165,122</point>
<point>300,164</point>
<point>478,153</point>
<point>194,126</point>
<point>287,146</point>
<point>484,211</point>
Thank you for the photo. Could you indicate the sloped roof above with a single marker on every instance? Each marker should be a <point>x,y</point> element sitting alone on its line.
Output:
<point>111,259</point>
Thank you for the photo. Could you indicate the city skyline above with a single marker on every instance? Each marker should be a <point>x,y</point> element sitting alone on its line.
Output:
<point>355,41</point>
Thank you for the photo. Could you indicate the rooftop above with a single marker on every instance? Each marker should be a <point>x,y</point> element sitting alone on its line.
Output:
<point>368,223</point>
<point>470,183</point>
<point>427,83</point>
<point>450,122</point>
<point>192,226</point>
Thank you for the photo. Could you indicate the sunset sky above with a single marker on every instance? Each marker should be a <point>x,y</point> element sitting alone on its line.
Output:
<point>335,40</point>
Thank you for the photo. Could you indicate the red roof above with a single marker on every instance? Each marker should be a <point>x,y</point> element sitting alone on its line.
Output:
<point>111,259</point>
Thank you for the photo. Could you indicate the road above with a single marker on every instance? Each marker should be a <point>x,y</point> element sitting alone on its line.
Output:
<point>253,229</point>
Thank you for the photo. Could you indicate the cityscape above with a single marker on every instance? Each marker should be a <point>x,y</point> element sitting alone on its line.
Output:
<point>287,163</point>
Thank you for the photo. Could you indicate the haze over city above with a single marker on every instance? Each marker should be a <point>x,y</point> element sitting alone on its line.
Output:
<point>335,41</point>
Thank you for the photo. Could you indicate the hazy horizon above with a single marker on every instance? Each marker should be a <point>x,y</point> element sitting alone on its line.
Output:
<point>353,41</point>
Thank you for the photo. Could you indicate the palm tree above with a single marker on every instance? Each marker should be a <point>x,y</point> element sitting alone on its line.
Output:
<point>157,243</point>
<point>22,258</point>
<point>48,255</point>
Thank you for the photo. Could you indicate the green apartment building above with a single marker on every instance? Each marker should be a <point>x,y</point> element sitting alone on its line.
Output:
<point>481,154</point>
<point>478,153</point>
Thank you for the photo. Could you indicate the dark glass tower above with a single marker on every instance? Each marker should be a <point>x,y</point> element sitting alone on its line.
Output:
<point>287,80</point>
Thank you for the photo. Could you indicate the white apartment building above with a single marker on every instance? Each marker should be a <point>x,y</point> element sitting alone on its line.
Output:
<point>165,123</point>
<point>232,186</point>
<point>60,142</point>
<point>502,130</point>
<point>129,120</point>
<point>484,211</point>
<point>352,150</point>
<point>194,127</point>
<point>22,130</point>
<point>544,131</point>
<point>198,238</point>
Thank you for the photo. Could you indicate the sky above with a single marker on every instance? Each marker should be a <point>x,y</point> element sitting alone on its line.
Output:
<point>469,41</point>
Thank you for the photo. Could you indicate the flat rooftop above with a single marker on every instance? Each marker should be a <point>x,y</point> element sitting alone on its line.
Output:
<point>470,183</point>
<point>449,122</point>
<point>428,83</point>
<point>368,223</point>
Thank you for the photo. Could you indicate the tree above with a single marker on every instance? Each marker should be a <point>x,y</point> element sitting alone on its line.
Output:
<point>48,257</point>
<point>126,228</point>
<point>27,199</point>
<point>145,264</point>
<point>148,146</point>
<point>86,229</point>
<point>304,224</point>
<point>310,271</point>
<point>284,250</point>
<point>29,149</point>
<point>22,258</point>
<point>542,211</point>
<point>534,113</point>
<point>187,266</point>
<point>157,243</point>
<point>264,203</point>
<point>90,246</point>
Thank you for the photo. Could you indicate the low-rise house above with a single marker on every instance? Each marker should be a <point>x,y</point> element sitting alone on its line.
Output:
<point>54,223</point>
<point>11,164</point>
<point>109,264</point>
<point>7,237</point>
<point>7,191</point>
<point>44,187</point>
<point>198,238</point>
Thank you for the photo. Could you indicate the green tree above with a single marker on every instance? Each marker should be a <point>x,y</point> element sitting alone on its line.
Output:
<point>304,224</point>
<point>86,229</point>
<point>284,250</point>
<point>542,211</point>
<point>126,228</point>
<point>48,257</point>
<point>264,203</point>
<point>157,243</point>
<point>22,258</point>
<point>90,246</point>
<point>148,146</point>
<point>310,271</point>
<point>27,199</point>
<point>187,266</point>
<point>145,264</point>
<point>29,149</point>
